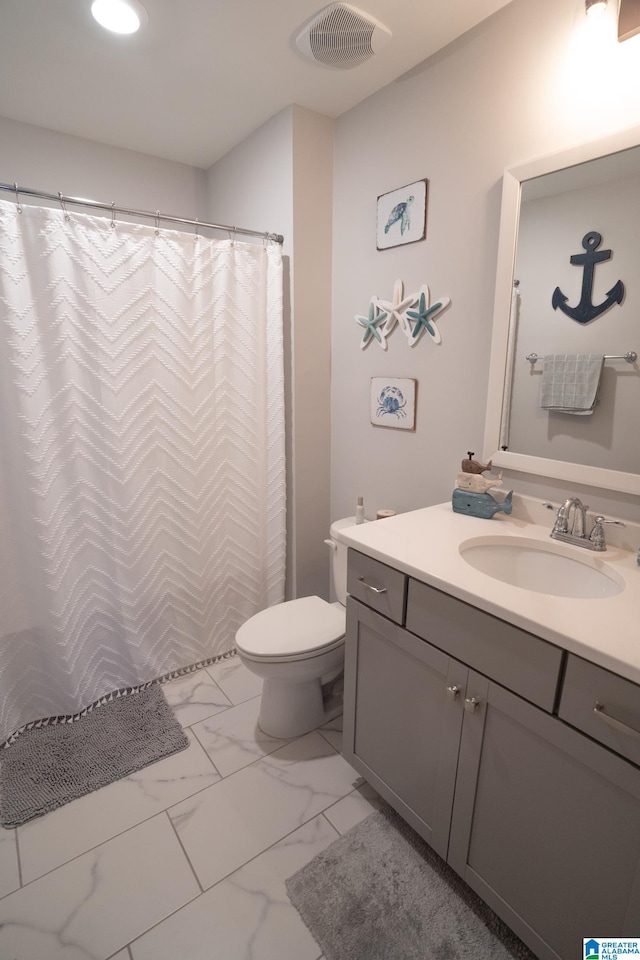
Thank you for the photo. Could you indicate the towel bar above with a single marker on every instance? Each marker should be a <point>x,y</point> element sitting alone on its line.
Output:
<point>631,356</point>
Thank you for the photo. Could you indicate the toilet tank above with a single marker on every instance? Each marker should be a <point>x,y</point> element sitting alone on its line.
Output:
<point>339,557</point>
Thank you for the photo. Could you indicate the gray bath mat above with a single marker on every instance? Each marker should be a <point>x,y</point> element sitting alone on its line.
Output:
<point>381,893</point>
<point>51,765</point>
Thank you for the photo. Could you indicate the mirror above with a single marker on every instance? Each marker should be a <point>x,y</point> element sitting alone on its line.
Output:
<point>583,204</point>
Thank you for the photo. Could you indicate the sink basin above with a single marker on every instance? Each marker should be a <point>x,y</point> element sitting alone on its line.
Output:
<point>542,567</point>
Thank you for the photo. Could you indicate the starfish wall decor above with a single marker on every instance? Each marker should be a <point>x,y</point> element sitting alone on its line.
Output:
<point>384,315</point>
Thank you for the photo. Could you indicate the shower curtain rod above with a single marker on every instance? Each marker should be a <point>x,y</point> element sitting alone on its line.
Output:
<point>113,209</point>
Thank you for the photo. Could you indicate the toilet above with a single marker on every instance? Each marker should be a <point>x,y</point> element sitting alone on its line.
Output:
<point>297,647</point>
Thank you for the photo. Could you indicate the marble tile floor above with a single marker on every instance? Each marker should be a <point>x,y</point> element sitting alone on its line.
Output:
<point>185,860</point>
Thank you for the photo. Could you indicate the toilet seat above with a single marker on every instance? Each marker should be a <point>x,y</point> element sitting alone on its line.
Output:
<point>294,630</point>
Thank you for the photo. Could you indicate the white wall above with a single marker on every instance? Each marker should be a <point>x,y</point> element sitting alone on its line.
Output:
<point>251,185</point>
<point>312,194</point>
<point>280,179</point>
<point>58,163</point>
<point>528,81</point>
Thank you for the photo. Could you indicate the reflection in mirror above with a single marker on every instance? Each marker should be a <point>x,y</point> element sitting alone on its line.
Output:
<point>569,283</point>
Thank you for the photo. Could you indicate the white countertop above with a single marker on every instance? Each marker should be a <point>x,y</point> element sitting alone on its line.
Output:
<point>425,544</point>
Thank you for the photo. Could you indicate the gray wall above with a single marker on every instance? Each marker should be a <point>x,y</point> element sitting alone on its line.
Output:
<point>281,177</point>
<point>512,89</point>
<point>55,162</point>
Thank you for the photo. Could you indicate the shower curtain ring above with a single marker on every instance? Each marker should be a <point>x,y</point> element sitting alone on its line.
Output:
<point>113,216</point>
<point>157,223</point>
<point>18,204</point>
<point>64,209</point>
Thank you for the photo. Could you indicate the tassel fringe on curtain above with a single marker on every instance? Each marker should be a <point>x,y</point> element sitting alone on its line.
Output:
<point>142,485</point>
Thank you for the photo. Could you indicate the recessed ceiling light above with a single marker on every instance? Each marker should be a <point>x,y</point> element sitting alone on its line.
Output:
<point>119,16</point>
<point>595,7</point>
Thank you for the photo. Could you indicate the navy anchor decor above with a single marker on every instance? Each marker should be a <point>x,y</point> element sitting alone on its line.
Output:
<point>586,310</point>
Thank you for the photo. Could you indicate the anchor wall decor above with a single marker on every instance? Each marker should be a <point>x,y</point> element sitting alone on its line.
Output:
<point>384,315</point>
<point>586,310</point>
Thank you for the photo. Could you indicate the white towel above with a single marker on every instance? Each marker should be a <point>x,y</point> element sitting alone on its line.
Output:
<point>570,382</point>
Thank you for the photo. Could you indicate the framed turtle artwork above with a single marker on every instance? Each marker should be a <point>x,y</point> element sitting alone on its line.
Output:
<point>402,215</point>
<point>393,402</point>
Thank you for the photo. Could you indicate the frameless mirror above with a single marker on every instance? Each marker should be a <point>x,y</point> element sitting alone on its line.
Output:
<point>568,283</point>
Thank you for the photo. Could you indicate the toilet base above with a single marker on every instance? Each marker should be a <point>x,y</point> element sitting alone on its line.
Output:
<point>291,709</point>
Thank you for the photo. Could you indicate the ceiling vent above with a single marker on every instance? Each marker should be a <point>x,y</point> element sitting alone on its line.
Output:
<point>342,36</point>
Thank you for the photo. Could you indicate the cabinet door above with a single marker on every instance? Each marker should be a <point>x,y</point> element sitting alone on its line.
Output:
<point>546,825</point>
<point>402,720</point>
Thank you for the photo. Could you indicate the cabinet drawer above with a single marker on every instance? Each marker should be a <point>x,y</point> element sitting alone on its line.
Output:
<point>378,586</point>
<point>512,657</point>
<point>617,722</point>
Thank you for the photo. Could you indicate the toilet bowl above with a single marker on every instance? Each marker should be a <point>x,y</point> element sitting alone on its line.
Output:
<point>297,648</point>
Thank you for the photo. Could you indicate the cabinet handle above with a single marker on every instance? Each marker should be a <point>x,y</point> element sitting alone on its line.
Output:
<point>599,711</point>
<point>370,586</point>
<point>452,692</point>
<point>471,704</point>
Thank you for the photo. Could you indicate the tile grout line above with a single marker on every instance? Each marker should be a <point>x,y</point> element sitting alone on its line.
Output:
<point>255,857</point>
<point>19,862</point>
<point>133,826</point>
<point>334,832</point>
<point>336,802</point>
<point>226,706</point>
<point>166,811</point>
<point>96,846</point>
<point>324,814</point>
<point>280,744</point>
<point>319,730</point>
<point>241,867</point>
<point>120,833</point>
<point>201,745</point>
<point>301,824</point>
<point>126,948</point>
<point>186,855</point>
<point>230,705</point>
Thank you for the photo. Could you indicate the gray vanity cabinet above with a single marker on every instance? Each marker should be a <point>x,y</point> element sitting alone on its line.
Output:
<point>486,741</point>
<point>546,825</point>
<point>402,727</point>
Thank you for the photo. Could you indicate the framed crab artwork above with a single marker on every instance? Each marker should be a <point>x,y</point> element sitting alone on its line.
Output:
<point>402,215</point>
<point>393,402</point>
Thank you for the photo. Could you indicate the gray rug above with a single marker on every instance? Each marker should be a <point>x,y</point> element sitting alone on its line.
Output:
<point>51,765</point>
<point>381,893</point>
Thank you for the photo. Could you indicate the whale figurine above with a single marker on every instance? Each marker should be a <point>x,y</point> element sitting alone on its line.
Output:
<point>480,504</point>
<point>472,466</point>
<point>477,483</point>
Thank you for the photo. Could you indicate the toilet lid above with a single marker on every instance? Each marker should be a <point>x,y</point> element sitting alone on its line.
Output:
<point>295,628</point>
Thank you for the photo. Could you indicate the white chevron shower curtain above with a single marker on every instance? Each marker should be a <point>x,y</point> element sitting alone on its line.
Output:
<point>142,484</point>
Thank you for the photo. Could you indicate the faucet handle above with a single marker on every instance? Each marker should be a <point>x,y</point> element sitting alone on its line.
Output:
<point>597,533</point>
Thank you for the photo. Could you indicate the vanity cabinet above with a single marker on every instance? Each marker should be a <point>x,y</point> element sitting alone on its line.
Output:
<point>545,826</point>
<point>470,729</point>
<point>403,720</point>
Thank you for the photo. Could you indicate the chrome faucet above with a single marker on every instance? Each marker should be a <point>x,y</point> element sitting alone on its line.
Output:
<point>571,526</point>
<point>571,521</point>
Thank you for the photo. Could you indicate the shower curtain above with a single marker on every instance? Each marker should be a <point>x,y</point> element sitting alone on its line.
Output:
<point>142,484</point>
